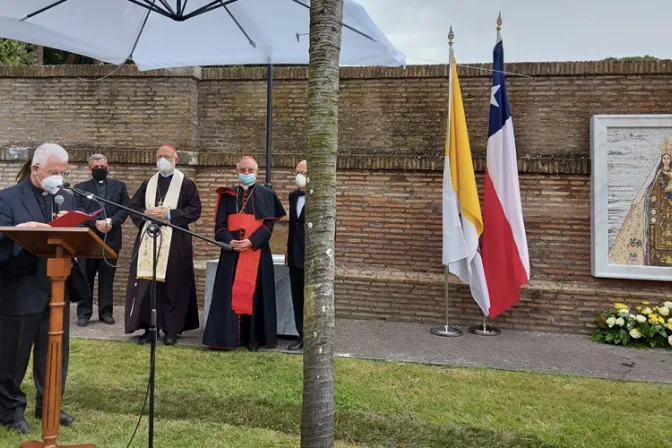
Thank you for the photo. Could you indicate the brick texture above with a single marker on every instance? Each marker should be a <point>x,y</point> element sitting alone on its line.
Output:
<point>392,130</point>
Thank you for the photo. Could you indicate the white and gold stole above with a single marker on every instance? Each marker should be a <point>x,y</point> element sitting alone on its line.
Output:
<point>145,251</point>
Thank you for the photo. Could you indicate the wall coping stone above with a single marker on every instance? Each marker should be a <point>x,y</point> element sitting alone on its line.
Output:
<point>95,71</point>
<point>300,73</point>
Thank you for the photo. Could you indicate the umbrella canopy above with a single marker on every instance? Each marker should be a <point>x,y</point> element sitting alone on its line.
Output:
<point>177,33</point>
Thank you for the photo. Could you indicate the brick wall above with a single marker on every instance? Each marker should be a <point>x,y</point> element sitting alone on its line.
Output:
<point>392,125</point>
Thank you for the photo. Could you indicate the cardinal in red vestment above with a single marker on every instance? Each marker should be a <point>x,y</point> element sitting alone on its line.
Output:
<point>242,311</point>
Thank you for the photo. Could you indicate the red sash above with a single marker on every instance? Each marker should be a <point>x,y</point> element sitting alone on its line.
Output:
<point>245,282</point>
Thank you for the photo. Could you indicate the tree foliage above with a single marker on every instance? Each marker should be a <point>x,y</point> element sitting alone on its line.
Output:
<point>13,52</point>
<point>646,57</point>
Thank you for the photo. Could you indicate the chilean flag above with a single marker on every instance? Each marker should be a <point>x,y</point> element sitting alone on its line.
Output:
<point>503,242</point>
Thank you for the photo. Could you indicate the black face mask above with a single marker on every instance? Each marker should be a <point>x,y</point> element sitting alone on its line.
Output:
<point>99,173</point>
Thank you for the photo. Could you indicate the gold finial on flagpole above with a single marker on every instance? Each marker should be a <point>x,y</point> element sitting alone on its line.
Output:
<point>499,22</point>
<point>451,36</point>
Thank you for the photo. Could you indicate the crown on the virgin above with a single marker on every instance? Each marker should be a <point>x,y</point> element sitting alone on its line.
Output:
<point>666,146</point>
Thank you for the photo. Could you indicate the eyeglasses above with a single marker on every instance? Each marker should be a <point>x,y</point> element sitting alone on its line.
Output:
<point>294,173</point>
<point>56,173</point>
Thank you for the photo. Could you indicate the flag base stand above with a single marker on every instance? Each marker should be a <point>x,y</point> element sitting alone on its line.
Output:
<point>445,331</point>
<point>484,329</point>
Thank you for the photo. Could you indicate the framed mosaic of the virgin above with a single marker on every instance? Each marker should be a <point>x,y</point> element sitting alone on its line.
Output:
<point>631,196</point>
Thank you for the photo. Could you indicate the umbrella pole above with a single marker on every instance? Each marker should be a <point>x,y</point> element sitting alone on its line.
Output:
<point>269,122</point>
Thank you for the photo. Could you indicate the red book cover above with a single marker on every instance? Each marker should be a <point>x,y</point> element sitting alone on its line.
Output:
<point>72,219</point>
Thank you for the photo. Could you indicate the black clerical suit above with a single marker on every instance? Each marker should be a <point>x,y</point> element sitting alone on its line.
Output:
<point>296,246</point>
<point>115,191</point>
<point>25,290</point>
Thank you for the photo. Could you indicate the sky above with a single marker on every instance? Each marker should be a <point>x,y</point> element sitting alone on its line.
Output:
<point>533,30</point>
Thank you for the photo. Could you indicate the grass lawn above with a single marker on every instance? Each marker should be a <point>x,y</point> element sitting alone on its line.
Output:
<point>241,399</point>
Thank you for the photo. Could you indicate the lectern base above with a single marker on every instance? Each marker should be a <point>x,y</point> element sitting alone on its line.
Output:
<point>36,444</point>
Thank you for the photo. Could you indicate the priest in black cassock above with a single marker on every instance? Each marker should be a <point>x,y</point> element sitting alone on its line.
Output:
<point>242,311</point>
<point>172,196</point>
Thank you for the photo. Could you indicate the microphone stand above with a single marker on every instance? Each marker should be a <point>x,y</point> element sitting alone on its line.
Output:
<point>153,230</point>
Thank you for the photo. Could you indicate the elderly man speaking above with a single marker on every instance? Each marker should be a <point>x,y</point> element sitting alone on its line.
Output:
<point>26,288</point>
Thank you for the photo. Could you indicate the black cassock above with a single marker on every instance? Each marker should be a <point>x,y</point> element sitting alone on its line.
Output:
<point>225,329</point>
<point>176,305</point>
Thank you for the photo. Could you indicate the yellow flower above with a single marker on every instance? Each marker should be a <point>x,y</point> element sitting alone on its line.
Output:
<point>656,319</point>
<point>646,311</point>
<point>646,303</point>
<point>639,308</point>
<point>669,327</point>
<point>620,306</point>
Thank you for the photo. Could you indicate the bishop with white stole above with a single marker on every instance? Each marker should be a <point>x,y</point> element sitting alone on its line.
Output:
<point>172,196</point>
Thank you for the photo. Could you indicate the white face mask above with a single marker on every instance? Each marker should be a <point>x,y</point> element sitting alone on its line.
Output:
<point>51,184</point>
<point>301,180</point>
<point>164,165</point>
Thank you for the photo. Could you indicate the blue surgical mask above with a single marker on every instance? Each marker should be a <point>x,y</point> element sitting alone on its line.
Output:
<point>247,179</point>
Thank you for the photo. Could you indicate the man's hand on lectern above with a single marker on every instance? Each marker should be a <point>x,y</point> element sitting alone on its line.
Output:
<point>33,225</point>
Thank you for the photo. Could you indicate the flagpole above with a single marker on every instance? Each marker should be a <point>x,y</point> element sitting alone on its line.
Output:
<point>484,329</point>
<point>447,330</point>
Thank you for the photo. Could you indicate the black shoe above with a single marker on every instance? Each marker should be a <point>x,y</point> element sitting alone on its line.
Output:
<point>297,345</point>
<point>20,425</point>
<point>108,320</point>
<point>253,347</point>
<point>66,419</point>
<point>146,338</point>
<point>82,322</point>
<point>170,338</point>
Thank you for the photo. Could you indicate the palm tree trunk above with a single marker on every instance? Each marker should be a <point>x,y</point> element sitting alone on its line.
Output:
<point>317,423</point>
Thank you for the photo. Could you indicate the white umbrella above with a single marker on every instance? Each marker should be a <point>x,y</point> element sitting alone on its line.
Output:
<point>159,34</point>
<point>177,33</point>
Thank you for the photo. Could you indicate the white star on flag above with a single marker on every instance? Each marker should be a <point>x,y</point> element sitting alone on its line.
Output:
<point>494,90</point>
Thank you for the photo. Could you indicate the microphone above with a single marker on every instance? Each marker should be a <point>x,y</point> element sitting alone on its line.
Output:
<point>65,186</point>
<point>224,246</point>
<point>58,200</point>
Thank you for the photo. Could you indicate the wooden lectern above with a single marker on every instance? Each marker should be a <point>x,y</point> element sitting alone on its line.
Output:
<point>60,246</point>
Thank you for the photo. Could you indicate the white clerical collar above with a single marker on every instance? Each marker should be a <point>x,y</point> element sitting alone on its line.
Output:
<point>101,181</point>
<point>246,187</point>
